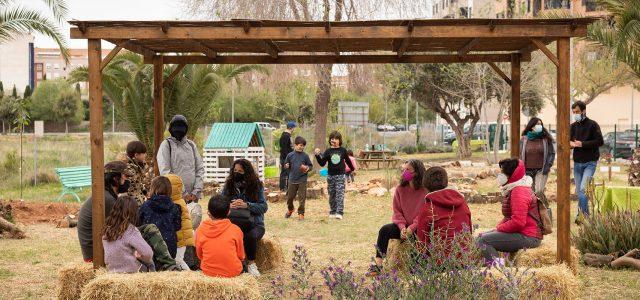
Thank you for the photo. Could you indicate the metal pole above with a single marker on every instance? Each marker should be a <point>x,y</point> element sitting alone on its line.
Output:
<point>406,114</point>
<point>113,117</point>
<point>233,102</point>
<point>35,160</point>
<point>632,106</point>
<point>636,135</point>
<point>615,141</point>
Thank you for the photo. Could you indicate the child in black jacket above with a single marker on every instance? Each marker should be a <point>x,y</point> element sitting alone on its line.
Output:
<point>336,156</point>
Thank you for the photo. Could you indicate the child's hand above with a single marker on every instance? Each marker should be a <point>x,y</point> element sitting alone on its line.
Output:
<point>317,151</point>
<point>304,168</point>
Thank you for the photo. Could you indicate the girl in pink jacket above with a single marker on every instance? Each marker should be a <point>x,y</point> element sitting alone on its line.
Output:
<point>518,229</point>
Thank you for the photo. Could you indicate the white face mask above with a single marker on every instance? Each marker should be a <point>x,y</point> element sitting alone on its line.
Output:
<point>577,117</point>
<point>502,179</point>
<point>537,128</point>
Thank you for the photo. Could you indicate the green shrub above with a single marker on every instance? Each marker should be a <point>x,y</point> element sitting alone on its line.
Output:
<point>409,149</point>
<point>615,232</point>
<point>10,165</point>
<point>421,148</point>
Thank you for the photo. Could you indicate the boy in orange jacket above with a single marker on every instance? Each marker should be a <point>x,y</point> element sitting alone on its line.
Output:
<point>219,242</point>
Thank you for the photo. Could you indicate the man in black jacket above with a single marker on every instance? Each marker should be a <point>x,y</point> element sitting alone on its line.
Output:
<point>586,139</point>
<point>286,147</point>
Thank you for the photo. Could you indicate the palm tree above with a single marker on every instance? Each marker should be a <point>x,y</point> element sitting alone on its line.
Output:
<point>621,32</point>
<point>16,20</point>
<point>129,83</point>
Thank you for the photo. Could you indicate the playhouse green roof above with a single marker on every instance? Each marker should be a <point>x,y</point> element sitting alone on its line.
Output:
<point>234,135</point>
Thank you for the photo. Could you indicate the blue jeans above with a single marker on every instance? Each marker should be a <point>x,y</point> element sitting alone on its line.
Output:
<point>583,172</point>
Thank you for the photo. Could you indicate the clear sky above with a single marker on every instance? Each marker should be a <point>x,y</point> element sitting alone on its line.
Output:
<point>108,10</point>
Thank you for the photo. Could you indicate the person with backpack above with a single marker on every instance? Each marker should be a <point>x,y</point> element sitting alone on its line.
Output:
<point>179,155</point>
<point>520,228</point>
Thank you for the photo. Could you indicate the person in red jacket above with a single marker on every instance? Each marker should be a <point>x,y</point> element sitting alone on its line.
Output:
<point>407,201</point>
<point>445,212</point>
<point>518,229</point>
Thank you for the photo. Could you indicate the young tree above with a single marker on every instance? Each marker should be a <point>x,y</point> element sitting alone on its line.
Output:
<point>67,107</point>
<point>45,98</point>
<point>27,92</point>
<point>14,92</point>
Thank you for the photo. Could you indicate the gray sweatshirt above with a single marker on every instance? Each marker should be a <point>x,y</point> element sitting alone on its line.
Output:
<point>296,159</point>
<point>183,160</point>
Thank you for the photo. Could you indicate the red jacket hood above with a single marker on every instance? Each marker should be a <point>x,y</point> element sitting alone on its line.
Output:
<point>446,198</point>
<point>214,228</point>
<point>519,172</point>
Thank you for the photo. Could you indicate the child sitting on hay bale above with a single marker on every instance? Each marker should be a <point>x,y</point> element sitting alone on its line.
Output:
<point>219,243</point>
<point>162,212</point>
<point>125,251</point>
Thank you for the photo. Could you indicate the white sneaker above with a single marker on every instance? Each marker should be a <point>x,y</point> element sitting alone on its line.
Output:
<point>253,270</point>
<point>339,217</point>
<point>498,262</point>
<point>332,216</point>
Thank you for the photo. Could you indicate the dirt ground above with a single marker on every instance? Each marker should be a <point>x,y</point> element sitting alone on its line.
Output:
<point>41,212</point>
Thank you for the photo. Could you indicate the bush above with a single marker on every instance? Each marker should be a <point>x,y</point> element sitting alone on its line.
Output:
<point>409,149</point>
<point>10,165</point>
<point>43,178</point>
<point>607,233</point>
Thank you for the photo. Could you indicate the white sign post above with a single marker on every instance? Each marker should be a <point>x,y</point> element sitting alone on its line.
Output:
<point>38,131</point>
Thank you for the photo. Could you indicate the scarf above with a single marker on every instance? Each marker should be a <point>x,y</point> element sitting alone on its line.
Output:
<point>525,181</point>
<point>534,135</point>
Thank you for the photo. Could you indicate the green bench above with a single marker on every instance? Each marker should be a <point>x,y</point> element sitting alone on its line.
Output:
<point>73,180</point>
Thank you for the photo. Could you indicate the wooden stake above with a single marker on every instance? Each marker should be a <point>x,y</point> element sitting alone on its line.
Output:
<point>96,127</point>
<point>158,109</point>
<point>563,165</point>
<point>515,105</point>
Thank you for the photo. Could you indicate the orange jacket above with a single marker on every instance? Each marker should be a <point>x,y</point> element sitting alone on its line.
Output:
<point>220,248</point>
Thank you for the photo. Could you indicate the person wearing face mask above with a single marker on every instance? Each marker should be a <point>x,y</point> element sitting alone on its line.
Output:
<point>248,206</point>
<point>115,182</point>
<point>179,155</point>
<point>585,140</point>
<point>519,228</point>
<point>537,153</point>
<point>408,199</point>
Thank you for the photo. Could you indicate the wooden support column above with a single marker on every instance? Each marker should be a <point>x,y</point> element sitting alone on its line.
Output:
<point>515,105</point>
<point>158,109</point>
<point>96,127</point>
<point>563,164</point>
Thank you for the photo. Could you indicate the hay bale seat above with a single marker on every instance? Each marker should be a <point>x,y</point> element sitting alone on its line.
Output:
<point>270,255</point>
<point>544,256</point>
<point>73,278</point>
<point>169,286</point>
<point>397,254</point>
<point>557,282</point>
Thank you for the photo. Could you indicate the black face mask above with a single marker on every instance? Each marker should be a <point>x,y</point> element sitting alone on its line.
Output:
<point>238,176</point>
<point>178,132</point>
<point>123,188</point>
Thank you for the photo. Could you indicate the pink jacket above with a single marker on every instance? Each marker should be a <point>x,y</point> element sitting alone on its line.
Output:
<point>407,203</point>
<point>353,162</point>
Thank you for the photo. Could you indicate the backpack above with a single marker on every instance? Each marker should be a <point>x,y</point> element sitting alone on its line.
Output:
<point>541,215</point>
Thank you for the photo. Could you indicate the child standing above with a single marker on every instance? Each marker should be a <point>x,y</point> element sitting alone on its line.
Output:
<point>299,165</point>
<point>350,173</point>
<point>336,156</point>
<point>219,243</point>
<point>162,212</point>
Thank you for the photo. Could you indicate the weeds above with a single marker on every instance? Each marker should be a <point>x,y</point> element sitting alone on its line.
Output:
<point>615,232</point>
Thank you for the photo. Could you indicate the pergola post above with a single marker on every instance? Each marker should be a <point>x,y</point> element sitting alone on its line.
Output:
<point>158,109</point>
<point>515,105</point>
<point>96,127</point>
<point>563,165</point>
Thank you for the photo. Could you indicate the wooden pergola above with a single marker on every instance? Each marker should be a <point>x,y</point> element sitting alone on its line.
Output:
<point>358,42</point>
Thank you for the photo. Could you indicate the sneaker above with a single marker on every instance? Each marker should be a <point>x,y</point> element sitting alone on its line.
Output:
<point>374,270</point>
<point>288,214</point>
<point>253,270</point>
<point>339,217</point>
<point>301,217</point>
<point>332,216</point>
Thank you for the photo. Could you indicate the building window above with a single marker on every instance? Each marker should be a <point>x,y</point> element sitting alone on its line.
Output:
<point>590,5</point>
<point>56,66</point>
<point>48,66</point>
<point>48,76</point>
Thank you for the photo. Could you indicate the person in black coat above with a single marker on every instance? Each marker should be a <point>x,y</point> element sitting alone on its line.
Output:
<point>162,212</point>
<point>286,147</point>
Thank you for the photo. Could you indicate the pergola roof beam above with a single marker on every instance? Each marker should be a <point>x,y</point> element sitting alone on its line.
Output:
<point>499,72</point>
<point>271,48</point>
<point>540,45</point>
<point>404,45</point>
<point>468,46</point>
<point>109,57</point>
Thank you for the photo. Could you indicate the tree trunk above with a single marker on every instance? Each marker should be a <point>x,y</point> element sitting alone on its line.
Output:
<point>13,231</point>
<point>3,132</point>
<point>497,134</point>
<point>464,149</point>
<point>323,95</point>
<point>66,127</point>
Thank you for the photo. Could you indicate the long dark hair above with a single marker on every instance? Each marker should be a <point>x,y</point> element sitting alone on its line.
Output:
<point>419,171</point>
<point>532,123</point>
<point>123,213</point>
<point>251,181</point>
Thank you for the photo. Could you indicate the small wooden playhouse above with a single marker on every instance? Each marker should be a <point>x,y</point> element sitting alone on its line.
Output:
<point>228,142</point>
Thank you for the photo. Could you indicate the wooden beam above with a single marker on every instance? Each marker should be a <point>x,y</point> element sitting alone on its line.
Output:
<point>96,127</point>
<point>403,47</point>
<point>135,47</point>
<point>109,57</point>
<point>206,50</point>
<point>468,46</point>
<point>342,59</point>
<point>563,165</point>
<point>158,109</point>
<point>499,72</point>
<point>270,48</point>
<point>540,45</point>
<point>515,105</point>
<point>342,32</point>
<point>173,75</point>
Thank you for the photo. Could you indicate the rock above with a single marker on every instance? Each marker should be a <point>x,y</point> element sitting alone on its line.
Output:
<point>275,197</point>
<point>315,192</point>
<point>63,224</point>
<point>479,164</point>
<point>456,174</point>
<point>377,191</point>
<point>464,163</point>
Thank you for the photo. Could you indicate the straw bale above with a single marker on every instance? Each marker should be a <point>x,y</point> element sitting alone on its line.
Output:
<point>73,278</point>
<point>170,285</point>
<point>545,256</point>
<point>397,255</point>
<point>550,282</point>
<point>269,255</point>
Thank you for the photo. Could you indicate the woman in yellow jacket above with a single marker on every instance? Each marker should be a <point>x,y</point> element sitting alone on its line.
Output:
<point>185,234</point>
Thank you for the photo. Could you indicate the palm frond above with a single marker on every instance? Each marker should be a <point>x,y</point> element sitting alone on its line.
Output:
<point>58,8</point>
